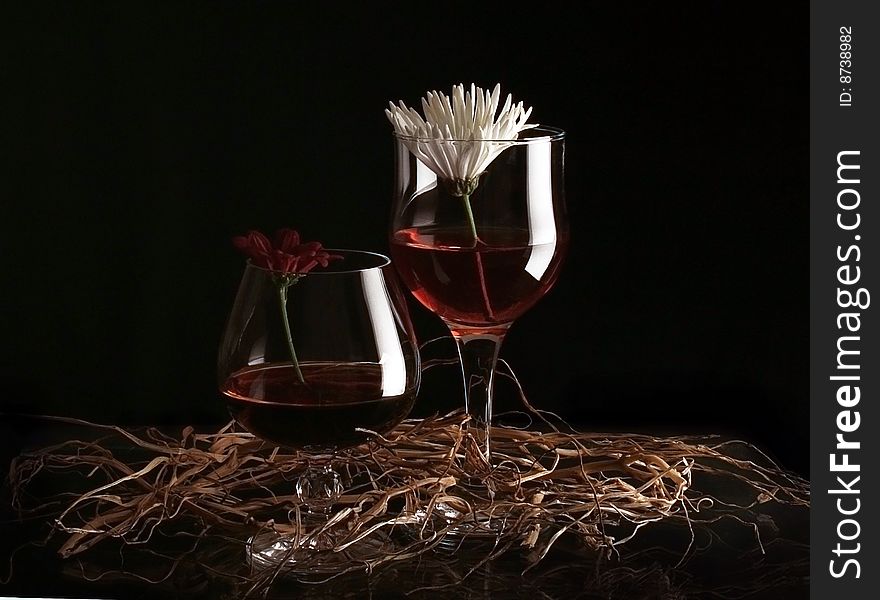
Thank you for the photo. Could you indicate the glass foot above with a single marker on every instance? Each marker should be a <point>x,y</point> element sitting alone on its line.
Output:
<point>268,550</point>
<point>460,531</point>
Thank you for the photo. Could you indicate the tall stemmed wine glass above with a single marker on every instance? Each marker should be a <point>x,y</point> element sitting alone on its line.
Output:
<point>479,249</point>
<point>313,361</point>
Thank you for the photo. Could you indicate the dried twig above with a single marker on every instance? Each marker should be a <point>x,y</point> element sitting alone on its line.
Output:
<point>599,489</point>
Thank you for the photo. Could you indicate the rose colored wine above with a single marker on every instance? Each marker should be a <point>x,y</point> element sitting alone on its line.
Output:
<point>490,282</point>
<point>270,402</point>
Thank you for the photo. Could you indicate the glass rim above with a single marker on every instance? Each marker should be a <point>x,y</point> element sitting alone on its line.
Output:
<point>551,134</point>
<point>383,262</point>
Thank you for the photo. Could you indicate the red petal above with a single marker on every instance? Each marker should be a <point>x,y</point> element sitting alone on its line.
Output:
<point>326,257</point>
<point>259,242</point>
<point>253,246</point>
<point>287,256</point>
<point>308,249</point>
<point>308,266</point>
<point>285,263</point>
<point>286,240</point>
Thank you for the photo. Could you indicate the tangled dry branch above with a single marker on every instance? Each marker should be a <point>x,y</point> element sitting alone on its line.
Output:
<point>409,489</point>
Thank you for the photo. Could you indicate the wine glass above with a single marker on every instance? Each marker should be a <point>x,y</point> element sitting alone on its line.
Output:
<point>480,252</point>
<point>313,362</point>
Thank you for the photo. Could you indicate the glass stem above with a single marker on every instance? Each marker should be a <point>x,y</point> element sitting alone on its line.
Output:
<point>282,301</point>
<point>319,487</point>
<point>478,350</point>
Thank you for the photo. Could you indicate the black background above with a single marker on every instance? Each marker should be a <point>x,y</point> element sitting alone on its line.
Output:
<point>139,138</point>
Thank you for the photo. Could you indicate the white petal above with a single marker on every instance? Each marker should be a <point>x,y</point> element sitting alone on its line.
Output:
<point>453,134</point>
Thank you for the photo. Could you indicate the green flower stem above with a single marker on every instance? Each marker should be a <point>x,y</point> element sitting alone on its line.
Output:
<point>282,297</point>
<point>466,200</point>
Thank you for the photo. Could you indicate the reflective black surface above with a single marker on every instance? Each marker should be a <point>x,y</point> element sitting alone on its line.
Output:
<point>724,561</point>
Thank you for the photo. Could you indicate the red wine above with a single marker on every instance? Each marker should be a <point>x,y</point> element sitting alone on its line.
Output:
<point>490,282</point>
<point>271,402</point>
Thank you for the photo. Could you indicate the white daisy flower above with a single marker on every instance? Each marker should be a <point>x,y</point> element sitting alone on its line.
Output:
<point>459,137</point>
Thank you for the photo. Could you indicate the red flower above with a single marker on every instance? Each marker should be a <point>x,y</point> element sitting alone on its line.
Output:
<point>286,255</point>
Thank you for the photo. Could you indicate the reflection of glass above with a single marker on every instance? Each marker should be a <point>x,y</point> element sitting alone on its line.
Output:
<point>481,253</point>
<point>355,349</point>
